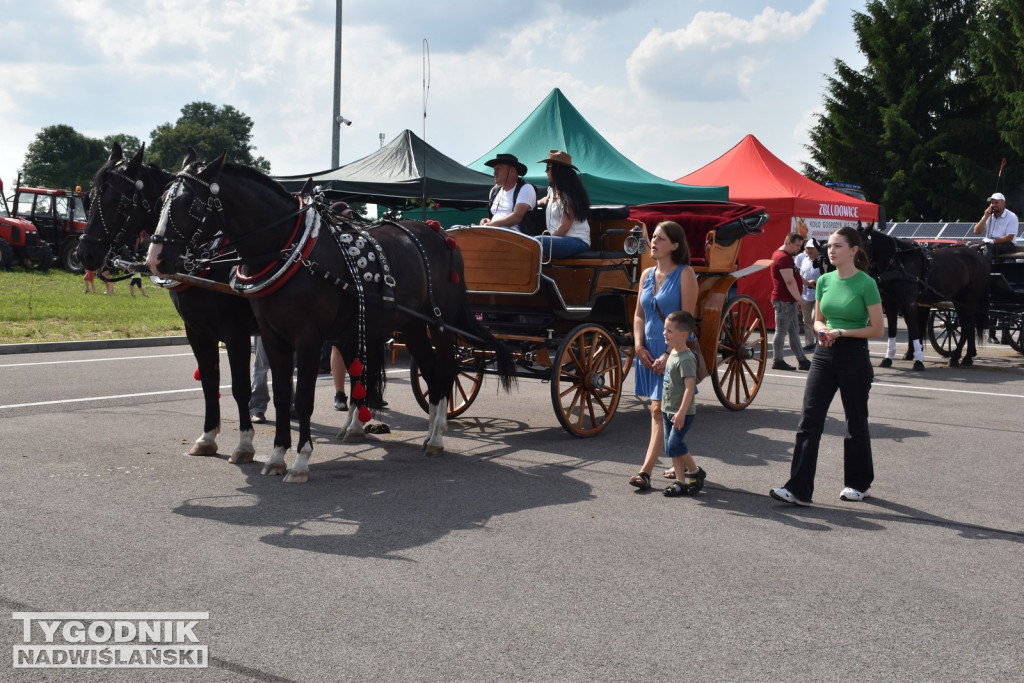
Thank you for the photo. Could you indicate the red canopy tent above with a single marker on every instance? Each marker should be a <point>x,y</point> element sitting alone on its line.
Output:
<point>794,202</point>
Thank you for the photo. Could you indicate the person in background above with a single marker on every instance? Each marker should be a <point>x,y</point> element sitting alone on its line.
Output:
<point>136,281</point>
<point>847,314</point>
<point>90,282</point>
<point>670,285</point>
<point>999,225</point>
<point>806,263</point>
<point>512,197</point>
<point>105,276</point>
<point>785,300</point>
<point>565,207</point>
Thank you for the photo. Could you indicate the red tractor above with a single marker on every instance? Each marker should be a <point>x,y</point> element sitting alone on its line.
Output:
<point>60,218</point>
<point>20,241</point>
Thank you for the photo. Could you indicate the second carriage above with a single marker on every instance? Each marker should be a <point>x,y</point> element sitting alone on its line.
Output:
<point>570,321</point>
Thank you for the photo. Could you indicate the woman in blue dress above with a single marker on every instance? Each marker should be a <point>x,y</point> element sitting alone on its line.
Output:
<point>670,285</point>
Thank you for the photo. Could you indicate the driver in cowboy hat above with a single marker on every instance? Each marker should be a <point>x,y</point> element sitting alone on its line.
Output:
<point>513,197</point>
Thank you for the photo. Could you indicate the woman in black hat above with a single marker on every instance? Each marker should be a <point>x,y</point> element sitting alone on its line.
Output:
<point>567,206</point>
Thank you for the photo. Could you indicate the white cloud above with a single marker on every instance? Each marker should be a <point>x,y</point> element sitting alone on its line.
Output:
<point>716,55</point>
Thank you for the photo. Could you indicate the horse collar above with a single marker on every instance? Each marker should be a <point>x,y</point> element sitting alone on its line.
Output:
<point>294,255</point>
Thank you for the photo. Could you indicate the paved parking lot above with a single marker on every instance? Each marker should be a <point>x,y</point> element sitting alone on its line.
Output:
<point>522,553</point>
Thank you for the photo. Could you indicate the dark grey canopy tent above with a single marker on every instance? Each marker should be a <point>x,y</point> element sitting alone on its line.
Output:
<point>400,174</point>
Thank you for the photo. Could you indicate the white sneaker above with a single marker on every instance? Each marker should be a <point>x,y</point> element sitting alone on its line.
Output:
<point>853,494</point>
<point>786,497</point>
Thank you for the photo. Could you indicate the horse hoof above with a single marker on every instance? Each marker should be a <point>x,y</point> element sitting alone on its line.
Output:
<point>294,477</point>
<point>352,436</point>
<point>275,469</point>
<point>967,361</point>
<point>953,363</point>
<point>201,449</point>
<point>433,451</point>
<point>341,434</point>
<point>242,457</point>
<point>886,363</point>
<point>918,365</point>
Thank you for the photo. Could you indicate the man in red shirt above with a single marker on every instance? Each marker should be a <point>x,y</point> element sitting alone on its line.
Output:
<point>786,302</point>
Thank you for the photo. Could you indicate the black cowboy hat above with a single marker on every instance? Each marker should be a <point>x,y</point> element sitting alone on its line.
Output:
<point>509,159</point>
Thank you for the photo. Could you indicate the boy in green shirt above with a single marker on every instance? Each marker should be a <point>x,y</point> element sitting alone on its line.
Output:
<point>678,405</point>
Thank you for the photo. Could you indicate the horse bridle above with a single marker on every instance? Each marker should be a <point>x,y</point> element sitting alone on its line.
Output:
<point>123,213</point>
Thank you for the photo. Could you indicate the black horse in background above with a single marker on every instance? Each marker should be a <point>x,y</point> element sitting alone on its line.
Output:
<point>310,280</point>
<point>124,202</point>
<point>912,278</point>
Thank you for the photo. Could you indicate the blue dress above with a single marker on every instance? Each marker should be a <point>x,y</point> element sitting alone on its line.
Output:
<point>648,384</point>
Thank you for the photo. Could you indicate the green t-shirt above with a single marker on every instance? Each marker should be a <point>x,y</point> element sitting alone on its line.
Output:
<point>844,303</point>
<point>681,364</point>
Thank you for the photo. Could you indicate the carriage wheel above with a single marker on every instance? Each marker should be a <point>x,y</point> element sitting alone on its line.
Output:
<point>586,382</point>
<point>742,353</point>
<point>626,353</point>
<point>467,385</point>
<point>944,331</point>
<point>1014,332</point>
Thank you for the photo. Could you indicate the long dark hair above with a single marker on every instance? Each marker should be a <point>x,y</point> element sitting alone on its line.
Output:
<point>852,237</point>
<point>570,188</point>
<point>675,233</point>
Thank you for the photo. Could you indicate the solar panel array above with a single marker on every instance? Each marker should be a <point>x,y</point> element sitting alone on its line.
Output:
<point>963,232</point>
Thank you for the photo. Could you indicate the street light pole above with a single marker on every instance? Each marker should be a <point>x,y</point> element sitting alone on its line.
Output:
<point>336,119</point>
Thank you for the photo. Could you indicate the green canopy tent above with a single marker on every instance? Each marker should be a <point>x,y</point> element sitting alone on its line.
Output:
<point>399,174</point>
<point>610,178</point>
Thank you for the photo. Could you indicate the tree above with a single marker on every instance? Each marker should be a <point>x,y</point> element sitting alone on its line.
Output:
<point>129,144</point>
<point>60,156</point>
<point>209,130</point>
<point>912,127</point>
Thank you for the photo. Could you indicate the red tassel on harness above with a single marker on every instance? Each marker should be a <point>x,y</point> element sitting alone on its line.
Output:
<point>364,414</point>
<point>454,277</point>
<point>434,225</point>
<point>196,376</point>
<point>452,244</point>
<point>356,369</point>
<point>358,391</point>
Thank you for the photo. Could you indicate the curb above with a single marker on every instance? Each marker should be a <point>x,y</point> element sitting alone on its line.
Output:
<point>92,344</point>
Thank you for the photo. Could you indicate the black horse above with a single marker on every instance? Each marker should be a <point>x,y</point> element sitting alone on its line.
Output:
<point>311,280</point>
<point>913,278</point>
<point>124,202</point>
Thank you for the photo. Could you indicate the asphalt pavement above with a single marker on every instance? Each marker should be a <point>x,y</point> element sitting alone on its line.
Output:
<point>522,553</point>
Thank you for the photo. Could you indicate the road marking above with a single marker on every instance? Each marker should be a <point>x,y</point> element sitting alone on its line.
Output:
<point>907,387</point>
<point>114,397</point>
<point>92,360</point>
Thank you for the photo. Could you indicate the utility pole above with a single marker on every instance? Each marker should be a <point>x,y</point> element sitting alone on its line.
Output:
<point>337,119</point>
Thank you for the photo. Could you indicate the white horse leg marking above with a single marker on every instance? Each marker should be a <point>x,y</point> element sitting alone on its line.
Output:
<point>890,351</point>
<point>275,463</point>
<point>353,430</point>
<point>431,410</point>
<point>438,426</point>
<point>206,444</point>
<point>918,351</point>
<point>244,452</point>
<point>299,472</point>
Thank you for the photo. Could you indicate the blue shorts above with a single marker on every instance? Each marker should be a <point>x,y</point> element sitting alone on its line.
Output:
<point>675,444</point>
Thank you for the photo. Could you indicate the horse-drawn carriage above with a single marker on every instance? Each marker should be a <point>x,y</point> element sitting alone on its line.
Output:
<point>570,321</point>
<point>1005,312</point>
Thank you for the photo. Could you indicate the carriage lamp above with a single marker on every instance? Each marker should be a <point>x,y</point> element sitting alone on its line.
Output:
<point>636,243</point>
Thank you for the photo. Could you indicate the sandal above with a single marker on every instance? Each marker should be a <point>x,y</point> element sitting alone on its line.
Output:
<point>680,489</point>
<point>670,473</point>
<point>641,480</point>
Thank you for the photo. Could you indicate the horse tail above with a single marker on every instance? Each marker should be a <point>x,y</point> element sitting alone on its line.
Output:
<point>983,308</point>
<point>505,363</point>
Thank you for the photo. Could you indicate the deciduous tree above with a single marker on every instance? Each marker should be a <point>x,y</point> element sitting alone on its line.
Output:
<point>209,130</point>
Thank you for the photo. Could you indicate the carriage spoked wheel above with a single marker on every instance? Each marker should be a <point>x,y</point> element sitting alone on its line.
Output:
<point>586,380</point>
<point>1015,332</point>
<point>467,385</point>
<point>944,331</point>
<point>742,353</point>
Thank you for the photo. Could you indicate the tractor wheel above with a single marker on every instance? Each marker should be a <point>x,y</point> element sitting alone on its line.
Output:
<point>6,255</point>
<point>41,259</point>
<point>69,258</point>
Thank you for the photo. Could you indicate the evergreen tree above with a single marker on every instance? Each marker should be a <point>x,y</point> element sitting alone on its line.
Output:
<point>209,130</point>
<point>912,126</point>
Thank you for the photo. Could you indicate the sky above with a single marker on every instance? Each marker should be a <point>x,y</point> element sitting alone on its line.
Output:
<point>672,84</point>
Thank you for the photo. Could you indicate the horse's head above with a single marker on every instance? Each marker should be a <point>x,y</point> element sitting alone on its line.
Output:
<point>122,204</point>
<point>189,216</point>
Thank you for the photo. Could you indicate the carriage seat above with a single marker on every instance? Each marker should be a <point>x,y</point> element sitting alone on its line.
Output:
<point>1018,252</point>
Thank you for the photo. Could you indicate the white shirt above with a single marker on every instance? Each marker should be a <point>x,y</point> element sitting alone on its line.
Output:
<point>553,213</point>
<point>805,264</point>
<point>998,226</point>
<point>502,204</point>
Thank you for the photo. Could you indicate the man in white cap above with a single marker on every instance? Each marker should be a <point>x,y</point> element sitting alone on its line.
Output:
<point>511,197</point>
<point>999,225</point>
